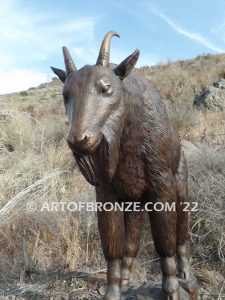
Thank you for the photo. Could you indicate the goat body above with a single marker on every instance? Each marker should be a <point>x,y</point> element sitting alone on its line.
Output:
<point>125,145</point>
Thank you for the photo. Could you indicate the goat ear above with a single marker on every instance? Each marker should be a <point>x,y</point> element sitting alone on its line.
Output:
<point>60,73</point>
<point>127,65</point>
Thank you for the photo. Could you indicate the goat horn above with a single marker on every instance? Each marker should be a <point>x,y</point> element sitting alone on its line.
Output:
<point>104,53</point>
<point>70,66</point>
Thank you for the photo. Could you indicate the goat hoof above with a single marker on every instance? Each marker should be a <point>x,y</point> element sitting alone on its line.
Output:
<point>126,273</point>
<point>171,288</point>
<point>184,268</point>
<point>185,274</point>
<point>188,289</point>
<point>113,292</point>
<point>174,296</point>
<point>125,283</point>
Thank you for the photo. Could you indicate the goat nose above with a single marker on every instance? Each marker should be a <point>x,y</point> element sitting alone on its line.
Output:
<point>81,138</point>
<point>73,140</point>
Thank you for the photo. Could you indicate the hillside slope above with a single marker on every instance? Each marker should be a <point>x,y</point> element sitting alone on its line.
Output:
<point>39,249</point>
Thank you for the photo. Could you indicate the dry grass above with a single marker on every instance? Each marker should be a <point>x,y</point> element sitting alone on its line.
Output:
<point>38,149</point>
<point>32,146</point>
<point>180,82</point>
<point>207,226</point>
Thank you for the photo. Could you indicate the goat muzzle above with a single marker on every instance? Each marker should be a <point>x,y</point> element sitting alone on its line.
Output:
<point>84,143</point>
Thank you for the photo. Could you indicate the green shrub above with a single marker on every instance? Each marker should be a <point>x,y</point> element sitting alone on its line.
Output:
<point>43,85</point>
<point>24,93</point>
<point>205,56</point>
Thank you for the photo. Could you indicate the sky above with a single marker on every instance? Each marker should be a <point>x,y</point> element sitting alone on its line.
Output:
<point>32,34</point>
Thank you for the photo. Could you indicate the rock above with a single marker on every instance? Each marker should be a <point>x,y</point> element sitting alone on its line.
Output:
<point>151,291</point>
<point>220,84</point>
<point>212,98</point>
<point>148,292</point>
<point>102,290</point>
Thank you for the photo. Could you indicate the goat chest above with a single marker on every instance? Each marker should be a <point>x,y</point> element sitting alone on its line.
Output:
<point>129,180</point>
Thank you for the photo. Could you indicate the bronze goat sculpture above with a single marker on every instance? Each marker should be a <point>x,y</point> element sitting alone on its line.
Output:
<point>125,145</point>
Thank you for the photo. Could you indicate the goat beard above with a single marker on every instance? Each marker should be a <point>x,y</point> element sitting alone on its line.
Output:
<point>99,167</point>
<point>95,166</point>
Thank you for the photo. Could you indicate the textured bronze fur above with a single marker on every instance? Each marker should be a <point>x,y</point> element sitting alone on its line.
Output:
<point>125,145</point>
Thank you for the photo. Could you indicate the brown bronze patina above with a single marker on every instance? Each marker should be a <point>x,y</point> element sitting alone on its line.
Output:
<point>125,145</point>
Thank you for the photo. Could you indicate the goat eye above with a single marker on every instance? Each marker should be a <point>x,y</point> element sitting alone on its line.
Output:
<point>104,86</point>
<point>107,89</point>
